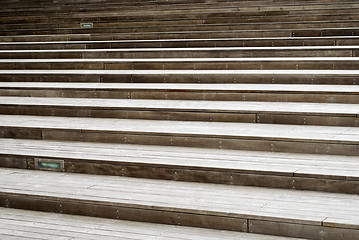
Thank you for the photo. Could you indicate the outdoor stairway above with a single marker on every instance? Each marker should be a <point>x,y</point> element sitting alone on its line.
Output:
<point>225,119</point>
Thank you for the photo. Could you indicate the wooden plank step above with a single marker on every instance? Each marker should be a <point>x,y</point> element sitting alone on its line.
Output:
<point>212,52</point>
<point>213,92</point>
<point>226,135</point>
<point>280,212</point>
<point>248,168</point>
<point>171,43</point>
<point>265,30</point>
<point>181,35</point>
<point>333,63</point>
<point>345,77</point>
<point>177,25</point>
<point>24,224</point>
<point>226,111</point>
<point>280,21</point>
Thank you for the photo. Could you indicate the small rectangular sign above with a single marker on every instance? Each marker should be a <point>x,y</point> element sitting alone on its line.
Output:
<point>86,25</point>
<point>49,164</point>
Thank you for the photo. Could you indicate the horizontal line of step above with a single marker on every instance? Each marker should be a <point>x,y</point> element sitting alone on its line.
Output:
<point>189,72</point>
<point>215,92</point>
<point>226,111</point>
<point>231,208</point>
<point>185,76</point>
<point>239,136</point>
<point>183,40</point>
<point>193,49</point>
<point>262,169</point>
<point>202,52</point>
<point>324,63</point>
<point>24,224</point>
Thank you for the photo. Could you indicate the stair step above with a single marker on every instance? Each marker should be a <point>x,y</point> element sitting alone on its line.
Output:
<point>223,111</point>
<point>335,63</point>
<point>257,210</point>
<point>203,52</point>
<point>224,92</point>
<point>185,76</point>
<point>239,136</point>
<point>25,224</point>
<point>91,35</point>
<point>171,43</point>
<point>248,168</point>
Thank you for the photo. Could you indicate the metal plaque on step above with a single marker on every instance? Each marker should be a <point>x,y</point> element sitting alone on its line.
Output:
<point>49,164</point>
<point>86,25</point>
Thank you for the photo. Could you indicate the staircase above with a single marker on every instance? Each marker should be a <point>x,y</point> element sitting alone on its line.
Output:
<point>176,119</point>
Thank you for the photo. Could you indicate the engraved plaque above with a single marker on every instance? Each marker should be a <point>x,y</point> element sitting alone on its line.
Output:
<point>49,164</point>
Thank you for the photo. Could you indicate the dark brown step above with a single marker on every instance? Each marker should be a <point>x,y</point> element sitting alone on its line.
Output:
<point>214,52</point>
<point>346,77</point>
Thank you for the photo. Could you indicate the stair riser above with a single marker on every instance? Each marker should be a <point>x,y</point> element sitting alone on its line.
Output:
<point>187,174</point>
<point>175,217</point>
<point>198,43</point>
<point>72,35</point>
<point>347,120</point>
<point>186,78</point>
<point>314,32</point>
<point>174,26</point>
<point>185,54</point>
<point>190,140</point>
<point>185,95</point>
<point>230,65</point>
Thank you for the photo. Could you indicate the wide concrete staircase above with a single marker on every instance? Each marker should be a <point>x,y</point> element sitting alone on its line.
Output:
<point>203,119</point>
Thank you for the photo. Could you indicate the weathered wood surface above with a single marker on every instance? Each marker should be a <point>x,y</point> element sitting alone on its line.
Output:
<point>312,63</point>
<point>265,169</point>
<point>188,52</point>
<point>339,77</point>
<point>58,192</point>
<point>239,136</point>
<point>223,111</point>
<point>155,43</point>
<point>22,224</point>
<point>215,92</point>
<point>351,110</point>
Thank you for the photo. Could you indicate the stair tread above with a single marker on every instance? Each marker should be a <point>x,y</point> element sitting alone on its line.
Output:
<point>25,224</point>
<point>187,49</point>
<point>188,105</point>
<point>256,162</point>
<point>303,207</point>
<point>169,40</point>
<point>154,60</point>
<point>190,72</point>
<point>345,135</point>
<point>313,88</point>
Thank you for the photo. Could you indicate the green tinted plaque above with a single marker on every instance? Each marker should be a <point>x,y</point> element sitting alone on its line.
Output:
<point>49,164</point>
<point>86,25</point>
